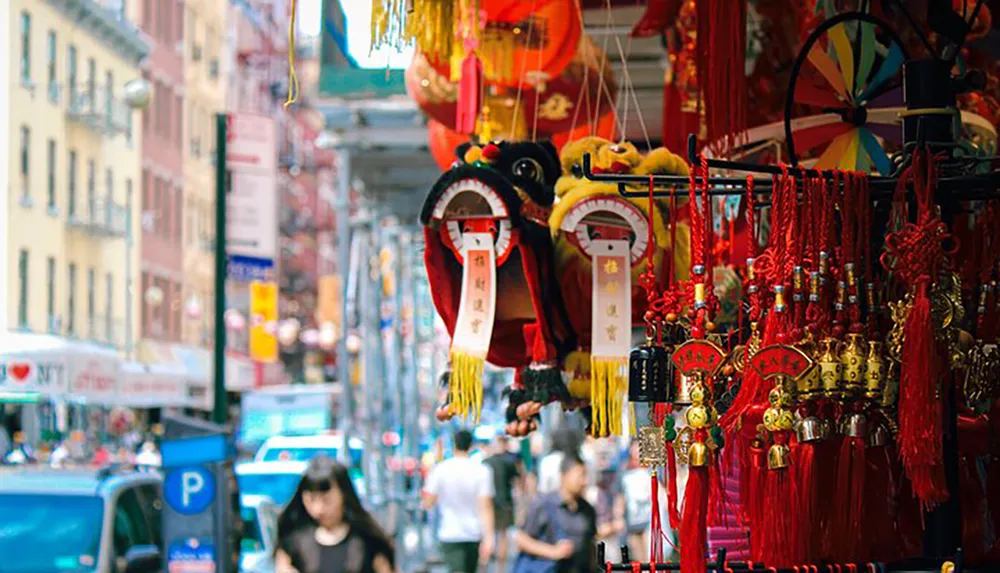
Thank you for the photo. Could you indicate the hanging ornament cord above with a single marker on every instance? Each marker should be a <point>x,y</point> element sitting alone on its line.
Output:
<point>916,255</point>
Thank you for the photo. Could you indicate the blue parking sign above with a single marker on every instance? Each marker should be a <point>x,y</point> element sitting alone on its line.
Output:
<point>189,490</point>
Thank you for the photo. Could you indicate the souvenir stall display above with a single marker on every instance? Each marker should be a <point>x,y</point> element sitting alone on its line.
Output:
<point>802,310</point>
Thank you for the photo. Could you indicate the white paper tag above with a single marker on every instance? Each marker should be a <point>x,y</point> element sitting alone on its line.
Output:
<point>477,307</point>
<point>611,322</point>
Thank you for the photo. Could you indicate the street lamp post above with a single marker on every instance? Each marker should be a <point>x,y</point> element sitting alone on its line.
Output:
<point>137,96</point>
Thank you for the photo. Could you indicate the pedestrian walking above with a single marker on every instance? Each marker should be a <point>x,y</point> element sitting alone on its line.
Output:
<point>325,529</point>
<point>507,476</point>
<point>559,532</point>
<point>462,490</point>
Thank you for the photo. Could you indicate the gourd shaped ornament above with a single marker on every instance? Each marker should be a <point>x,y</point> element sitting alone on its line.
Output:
<point>602,241</point>
<point>485,230</point>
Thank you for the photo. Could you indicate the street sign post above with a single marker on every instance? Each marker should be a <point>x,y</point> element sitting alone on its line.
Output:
<point>201,498</point>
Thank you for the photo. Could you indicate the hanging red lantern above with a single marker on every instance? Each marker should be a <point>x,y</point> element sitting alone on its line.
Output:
<point>443,142</point>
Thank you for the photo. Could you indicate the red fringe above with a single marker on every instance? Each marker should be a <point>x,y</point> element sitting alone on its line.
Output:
<point>753,499</point>
<point>721,38</point>
<point>656,526</point>
<point>973,500</point>
<point>848,516</point>
<point>920,425</point>
<point>806,511</point>
<point>777,526</point>
<point>694,526</point>
<point>829,498</point>
<point>673,515</point>
<point>467,109</point>
<point>878,536</point>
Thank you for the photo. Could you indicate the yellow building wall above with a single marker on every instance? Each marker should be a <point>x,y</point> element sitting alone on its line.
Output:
<point>206,69</point>
<point>45,232</point>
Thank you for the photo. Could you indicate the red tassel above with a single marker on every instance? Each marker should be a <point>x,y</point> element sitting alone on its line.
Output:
<point>920,425</point>
<point>656,525</point>
<point>721,39</point>
<point>469,85</point>
<point>694,525</point>
<point>850,479</point>
<point>880,537</point>
<point>673,515</point>
<point>753,497</point>
<point>805,512</point>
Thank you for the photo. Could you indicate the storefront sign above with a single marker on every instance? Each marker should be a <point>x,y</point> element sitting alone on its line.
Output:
<point>263,321</point>
<point>95,379</point>
<point>33,376</point>
<point>252,199</point>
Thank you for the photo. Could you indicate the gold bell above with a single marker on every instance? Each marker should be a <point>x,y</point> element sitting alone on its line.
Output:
<point>829,367</point>
<point>777,457</point>
<point>698,455</point>
<point>853,360</point>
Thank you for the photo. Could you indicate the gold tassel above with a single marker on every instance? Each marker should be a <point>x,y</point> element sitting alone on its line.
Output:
<point>607,391</point>
<point>430,25</point>
<point>465,386</point>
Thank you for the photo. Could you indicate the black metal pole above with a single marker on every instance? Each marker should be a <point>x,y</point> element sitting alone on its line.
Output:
<point>221,407</point>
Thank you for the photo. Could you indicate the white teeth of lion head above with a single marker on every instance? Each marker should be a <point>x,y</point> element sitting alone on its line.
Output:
<point>497,210</point>
<point>632,215</point>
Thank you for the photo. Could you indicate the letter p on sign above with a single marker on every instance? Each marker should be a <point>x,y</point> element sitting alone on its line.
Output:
<point>191,483</point>
<point>189,490</point>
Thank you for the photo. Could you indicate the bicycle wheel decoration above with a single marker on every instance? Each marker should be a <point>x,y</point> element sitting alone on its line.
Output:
<point>845,94</point>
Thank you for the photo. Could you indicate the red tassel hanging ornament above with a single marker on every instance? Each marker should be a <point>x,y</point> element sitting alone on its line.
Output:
<point>916,255</point>
<point>721,57</point>
<point>469,90</point>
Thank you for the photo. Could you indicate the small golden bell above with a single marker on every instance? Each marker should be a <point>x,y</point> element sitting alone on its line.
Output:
<point>830,369</point>
<point>777,457</point>
<point>698,455</point>
<point>852,357</point>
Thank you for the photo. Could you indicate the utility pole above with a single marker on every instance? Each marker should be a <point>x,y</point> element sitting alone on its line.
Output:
<point>343,208</point>
<point>220,407</point>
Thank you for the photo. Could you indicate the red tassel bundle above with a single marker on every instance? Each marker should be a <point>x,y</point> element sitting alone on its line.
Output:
<point>847,519</point>
<point>694,522</point>
<point>722,38</point>
<point>655,524</point>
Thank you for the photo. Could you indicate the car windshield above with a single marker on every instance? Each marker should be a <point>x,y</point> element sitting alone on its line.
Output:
<point>253,539</point>
<point>296,454</point>
<point>279,487</point>
<point>50,532</point>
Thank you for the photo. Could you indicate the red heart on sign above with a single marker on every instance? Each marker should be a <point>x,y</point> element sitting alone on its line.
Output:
<point>20,371</point>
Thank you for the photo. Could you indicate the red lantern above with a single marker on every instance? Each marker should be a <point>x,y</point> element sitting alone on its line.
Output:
<point>443,142</point>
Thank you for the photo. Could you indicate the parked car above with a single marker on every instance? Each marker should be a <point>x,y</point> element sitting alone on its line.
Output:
<point>300,448</point>
<point>101,521</point>
<point>274,480</point>
<point>260,533</point>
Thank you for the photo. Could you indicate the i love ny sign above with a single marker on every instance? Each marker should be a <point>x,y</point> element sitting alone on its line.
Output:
<point>30,375</point>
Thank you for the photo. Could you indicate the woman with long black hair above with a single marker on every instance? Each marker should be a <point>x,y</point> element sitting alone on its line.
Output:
<point>324,528</point>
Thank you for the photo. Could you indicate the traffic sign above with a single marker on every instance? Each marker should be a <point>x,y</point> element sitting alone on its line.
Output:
<point>189,490</point>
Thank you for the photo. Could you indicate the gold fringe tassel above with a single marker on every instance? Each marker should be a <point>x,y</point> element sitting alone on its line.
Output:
<point>465,386</point>
<point>431,25</point>
<point>607,392</point>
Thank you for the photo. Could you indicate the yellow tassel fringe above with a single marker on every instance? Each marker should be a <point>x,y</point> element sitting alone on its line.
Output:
<point>607,393</point>
<point>465,387</point>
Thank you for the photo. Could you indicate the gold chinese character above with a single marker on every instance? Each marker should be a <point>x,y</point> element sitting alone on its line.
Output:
<point>611,287</point>
<point>475,325</point>
<point>612,333</point>
<point>611,267</point>
<point>613,310</point>
<point>477,305</point>
<point>480,284</point>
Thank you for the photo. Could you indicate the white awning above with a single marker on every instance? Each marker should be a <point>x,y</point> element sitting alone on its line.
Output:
<point>153,386</point>
<point>57,366</point>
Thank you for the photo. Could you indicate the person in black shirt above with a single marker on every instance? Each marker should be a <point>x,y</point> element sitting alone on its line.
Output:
<point>561,526</point>
<point>507,472</point>
<point>324,528</point>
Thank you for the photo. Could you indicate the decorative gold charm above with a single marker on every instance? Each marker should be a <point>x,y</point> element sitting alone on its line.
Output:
<point>652,447</point>
<point>874,371</point>
<point>852,358</point>
<point>830,368</point>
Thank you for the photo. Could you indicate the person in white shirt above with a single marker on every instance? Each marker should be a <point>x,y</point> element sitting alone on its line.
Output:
<point>462,490</point>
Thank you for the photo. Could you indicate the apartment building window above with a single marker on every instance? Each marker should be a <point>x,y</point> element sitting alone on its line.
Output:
<point>50,294</point>
<point>147,15</point>
<point>92,84</point>
<point>22,288</point>
<point>128,208</point>
<point>50,177</point>
<point>128,126</point>
<point>91,303</point>
<point>178,122</point>
<point>178,216</point>
<point>109,96</point>
<point>71,301</point>
<point>71,71</point>
<point>109,184</point>
<point>25,162</point>
<point>109,307</point>
<point>157,105</point>
<point>71,183</point>
<point>52,56</point>
<point>91,186</point>
<point>25,49</point>
<point>180,21</point>
<point>144,307</point>
<point>157,206</point>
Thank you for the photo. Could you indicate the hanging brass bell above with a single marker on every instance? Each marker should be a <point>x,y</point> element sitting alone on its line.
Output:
<point>649,374</point>
<point>878,437</point>
<point>698,455</point>
<point>809,429</point>
<point>854,425</point>
<point>682,389</point>
<point>778,456</point>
